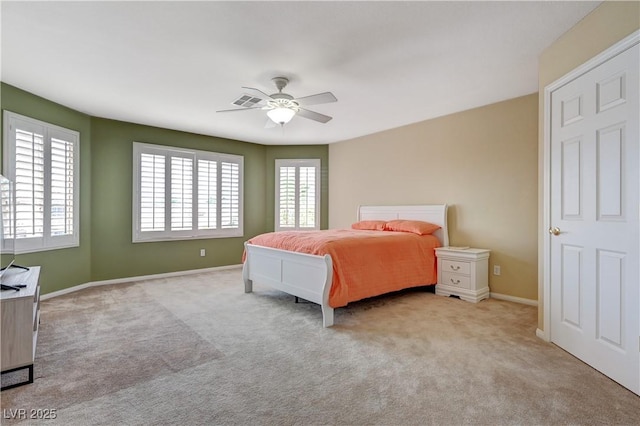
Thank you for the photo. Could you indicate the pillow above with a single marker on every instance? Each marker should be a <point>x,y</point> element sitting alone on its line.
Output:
<point>369,225</point>
<point>416,226</point>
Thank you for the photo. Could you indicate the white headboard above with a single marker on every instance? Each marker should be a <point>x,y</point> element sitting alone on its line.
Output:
<point>434,213</point>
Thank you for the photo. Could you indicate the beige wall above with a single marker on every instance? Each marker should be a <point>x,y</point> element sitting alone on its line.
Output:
<point>606,25</point>
<point>483,162</point>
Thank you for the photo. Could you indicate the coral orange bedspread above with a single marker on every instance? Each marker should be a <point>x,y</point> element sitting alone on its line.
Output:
<point>365,263</point>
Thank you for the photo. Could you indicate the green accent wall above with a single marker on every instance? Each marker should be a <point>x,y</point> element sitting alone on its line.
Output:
<point>65,267</point>
<point>106,148</point>
<point>113,254</point>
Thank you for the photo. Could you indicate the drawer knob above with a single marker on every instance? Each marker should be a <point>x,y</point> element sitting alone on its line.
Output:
<point>455,268</point>
<point>455,281</point>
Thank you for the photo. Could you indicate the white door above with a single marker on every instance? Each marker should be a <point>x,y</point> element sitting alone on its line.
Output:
<point>594,255</point>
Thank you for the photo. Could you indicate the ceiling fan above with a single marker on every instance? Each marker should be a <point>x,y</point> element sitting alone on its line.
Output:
<point>282,107</point>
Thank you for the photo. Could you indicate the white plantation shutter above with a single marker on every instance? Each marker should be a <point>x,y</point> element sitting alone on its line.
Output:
<point>29,183</point>
<point>207,194</point>
<point>180,194</point>
<point>307,197</point>
<point>43,161</point>
<point>152,192</point>
<point>229,195</point>
<point>297,194</point>
<point>287,197</point>
<point>62,188</point>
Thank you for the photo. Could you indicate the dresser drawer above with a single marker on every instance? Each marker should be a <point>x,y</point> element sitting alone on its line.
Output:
<point>457,267</point>
<point>456,280</point>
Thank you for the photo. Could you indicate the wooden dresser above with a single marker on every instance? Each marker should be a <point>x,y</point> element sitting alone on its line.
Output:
<point>20,313</point>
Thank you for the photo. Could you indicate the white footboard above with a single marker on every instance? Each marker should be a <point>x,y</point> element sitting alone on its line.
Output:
<point>303,275</point>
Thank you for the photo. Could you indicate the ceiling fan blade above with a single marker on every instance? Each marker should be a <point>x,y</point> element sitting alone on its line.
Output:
<point>320,98</point>
<point>257,92</point>
<point>312,115</point>
<point>238,109</point>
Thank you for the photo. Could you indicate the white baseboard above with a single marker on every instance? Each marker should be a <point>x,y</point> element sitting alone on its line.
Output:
<point>506,297</point>
<point>134,279</point>
<point>542,335</point>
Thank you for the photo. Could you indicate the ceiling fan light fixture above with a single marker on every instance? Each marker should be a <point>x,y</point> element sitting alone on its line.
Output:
<point>281,107</point>
<point>281,115</point>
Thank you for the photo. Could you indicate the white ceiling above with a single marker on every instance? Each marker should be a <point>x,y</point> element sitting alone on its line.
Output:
<point>174,64</point>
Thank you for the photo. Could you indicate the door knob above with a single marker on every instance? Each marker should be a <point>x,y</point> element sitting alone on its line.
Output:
<point>554,231</point>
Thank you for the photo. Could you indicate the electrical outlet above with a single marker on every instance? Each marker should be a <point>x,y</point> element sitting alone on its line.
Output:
<point>203,252</point>
<point>496,269</point>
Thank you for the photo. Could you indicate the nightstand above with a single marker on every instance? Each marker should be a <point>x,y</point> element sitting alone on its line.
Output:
<point>463,273</point>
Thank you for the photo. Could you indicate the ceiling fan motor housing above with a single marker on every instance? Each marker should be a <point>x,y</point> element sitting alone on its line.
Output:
<point>280,82</point>
<point>283,102</point>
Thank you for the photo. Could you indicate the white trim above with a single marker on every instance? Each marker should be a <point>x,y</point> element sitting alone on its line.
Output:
<point>543,335</point>
<point>135,279</point>
<point>47,241</point>
<point>194,232</point>
<point>298,163</point>
<point>597,60</point>
<point>522,300</point>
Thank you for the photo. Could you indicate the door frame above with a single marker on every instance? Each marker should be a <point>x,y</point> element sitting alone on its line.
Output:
<point>619,47</point>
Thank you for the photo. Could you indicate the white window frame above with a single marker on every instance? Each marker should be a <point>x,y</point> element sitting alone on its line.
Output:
<point>11,121</point>
<point>297,163</point>
<point>167,234</point>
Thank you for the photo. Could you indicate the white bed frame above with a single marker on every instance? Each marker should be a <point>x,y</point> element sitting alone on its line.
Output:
<point>308,276</point>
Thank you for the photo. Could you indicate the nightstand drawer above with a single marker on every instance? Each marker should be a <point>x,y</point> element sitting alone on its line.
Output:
<point>457,267</point>
<point>456,280</point>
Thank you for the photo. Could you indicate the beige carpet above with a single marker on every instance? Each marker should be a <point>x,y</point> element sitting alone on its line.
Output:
<point>197,350</point>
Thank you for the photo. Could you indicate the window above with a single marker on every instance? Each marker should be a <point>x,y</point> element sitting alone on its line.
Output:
<point>297,194</point>
<point>181,194</point>
<point>43,161</point>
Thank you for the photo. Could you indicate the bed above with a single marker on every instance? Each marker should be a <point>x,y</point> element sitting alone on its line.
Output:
<point>318,278</point>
